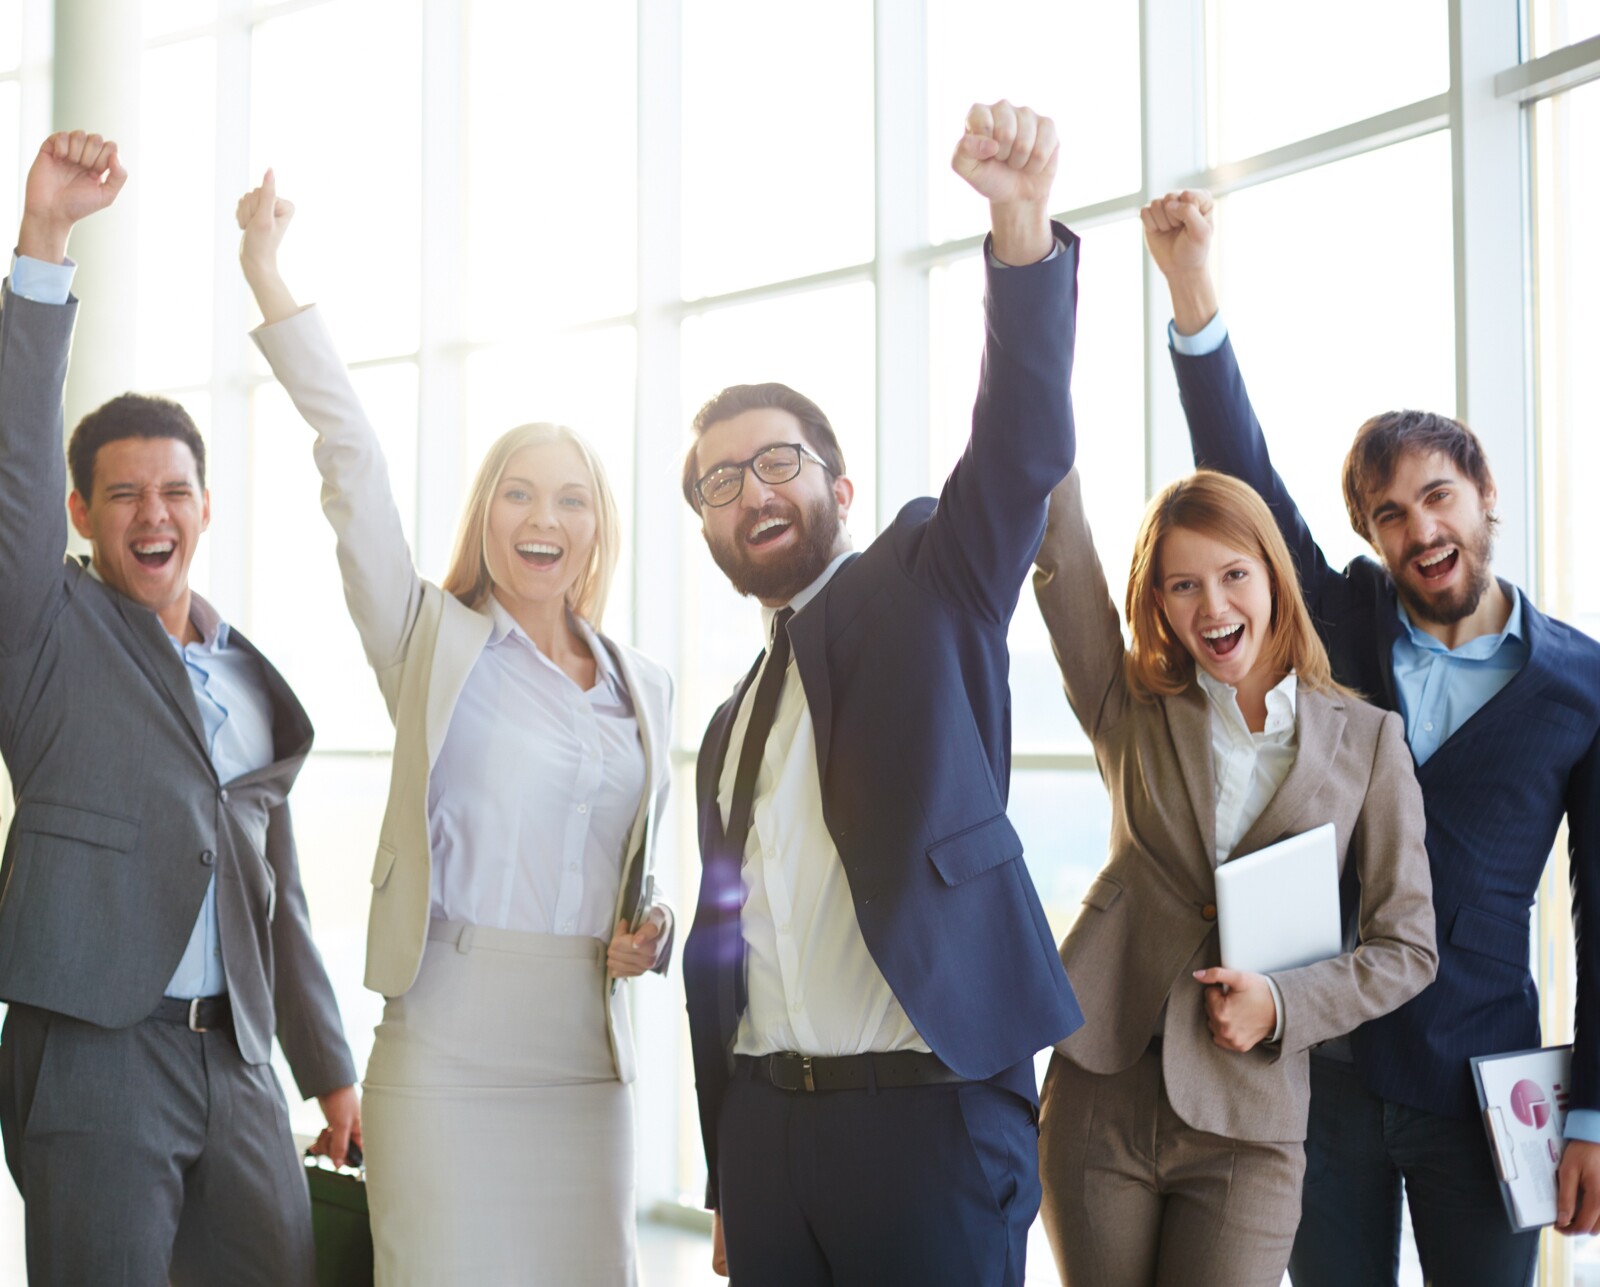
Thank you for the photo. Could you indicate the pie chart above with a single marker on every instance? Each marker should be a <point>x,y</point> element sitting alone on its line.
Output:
<point>1529,1104</point>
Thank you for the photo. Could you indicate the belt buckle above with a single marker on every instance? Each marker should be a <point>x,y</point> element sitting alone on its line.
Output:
<point>784,1062</point>
<point>194,1016</point>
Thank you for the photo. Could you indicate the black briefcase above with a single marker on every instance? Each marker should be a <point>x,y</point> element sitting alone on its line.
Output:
<point>339,1222</point>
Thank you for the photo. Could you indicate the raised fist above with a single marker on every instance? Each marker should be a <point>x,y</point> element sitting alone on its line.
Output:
<point>1178,229</point>
<point>1008,154</point>
<point>263,217</point>
<point>73,176</point>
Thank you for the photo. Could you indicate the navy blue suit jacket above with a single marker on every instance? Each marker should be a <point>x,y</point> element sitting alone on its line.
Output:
<point>905,667</point>
<point>1495,793</point>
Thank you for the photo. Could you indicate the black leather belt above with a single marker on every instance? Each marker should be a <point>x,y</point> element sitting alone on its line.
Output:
<point>200,1015</point>
<point>791,1071</point>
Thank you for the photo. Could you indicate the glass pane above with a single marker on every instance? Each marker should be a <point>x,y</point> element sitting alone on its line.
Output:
<point>1567,134</point>
<point>349,156</point>
<point>1320,363</point>
<point>1554,23</point>
<point>820,343</point>
<point>1078,63</point>
<point>163,17</point>
<point>777,151</point>
<point>12,20</point>
<point>337,805</point>
<point>1108,402</point>
<point>551,212</point>
<point>584,380</point>
<point>297,611</point>
<point>178,218</point>
<point>13,162</point>
<point>1280,72</point>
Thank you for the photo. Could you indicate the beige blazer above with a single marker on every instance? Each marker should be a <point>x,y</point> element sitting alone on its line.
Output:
<point>1149,918</point>
<point>422,643</point>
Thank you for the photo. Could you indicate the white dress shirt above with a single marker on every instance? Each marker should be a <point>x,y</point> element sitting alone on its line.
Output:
<point>1248,768</point>
<point>813,987</point>
<point>535,791</point>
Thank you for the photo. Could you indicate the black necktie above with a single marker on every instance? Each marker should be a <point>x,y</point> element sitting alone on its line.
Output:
<point>762,710</point>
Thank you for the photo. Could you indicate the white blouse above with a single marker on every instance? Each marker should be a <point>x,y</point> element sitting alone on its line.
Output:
<point>535,791</point>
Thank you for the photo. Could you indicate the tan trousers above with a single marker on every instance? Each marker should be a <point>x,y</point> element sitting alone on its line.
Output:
<point>1134,1197</point>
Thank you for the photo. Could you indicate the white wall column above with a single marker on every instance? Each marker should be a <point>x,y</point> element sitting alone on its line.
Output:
<point>99,47</point>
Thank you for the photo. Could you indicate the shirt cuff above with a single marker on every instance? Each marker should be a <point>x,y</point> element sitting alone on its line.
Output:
<point>1208,339</point>
<point>1583,1124</point>
<point>1277,1001</point>
<point>42,282</point>
<point>1055,250</point>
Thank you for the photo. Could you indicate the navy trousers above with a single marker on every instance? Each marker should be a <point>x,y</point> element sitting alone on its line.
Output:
<point>931,1185</point>
<point>1358,1151</point>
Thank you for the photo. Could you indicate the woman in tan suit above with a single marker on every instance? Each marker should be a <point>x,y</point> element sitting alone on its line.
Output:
<point>1172,1122</point>
<point>512,887</point>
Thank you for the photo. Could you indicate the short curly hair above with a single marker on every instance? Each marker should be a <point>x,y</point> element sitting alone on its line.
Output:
<point>132,415</point>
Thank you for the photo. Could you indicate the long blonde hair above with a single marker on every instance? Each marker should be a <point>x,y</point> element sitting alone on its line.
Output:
<point>1231,512</point>
<point>468,578</point>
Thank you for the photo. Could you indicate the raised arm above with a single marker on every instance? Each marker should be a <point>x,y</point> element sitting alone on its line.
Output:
<point>73,176</point>
<point>381,586</point>
<point>1085,633</point>
<point>976,548</point>
<point>1223,429</point>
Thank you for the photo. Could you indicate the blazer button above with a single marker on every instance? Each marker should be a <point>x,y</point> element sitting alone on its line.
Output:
<point>223,795</point>
<point>207,858</point>
<point>1209,911</point>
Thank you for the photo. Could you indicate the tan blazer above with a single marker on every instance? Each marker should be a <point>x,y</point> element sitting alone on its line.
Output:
<point>422,643</point>
<point>1149,918</point>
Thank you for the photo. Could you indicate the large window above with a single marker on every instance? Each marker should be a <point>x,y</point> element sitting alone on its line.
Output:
<point>601,214</point>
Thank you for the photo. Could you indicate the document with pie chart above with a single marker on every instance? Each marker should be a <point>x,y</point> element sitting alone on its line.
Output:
<point>1524,1100</point>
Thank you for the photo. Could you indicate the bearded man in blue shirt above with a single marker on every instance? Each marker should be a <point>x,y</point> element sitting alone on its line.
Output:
<point>1502,712</point>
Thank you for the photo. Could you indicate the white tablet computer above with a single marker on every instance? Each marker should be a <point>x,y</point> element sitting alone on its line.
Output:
<point>1278,908</point>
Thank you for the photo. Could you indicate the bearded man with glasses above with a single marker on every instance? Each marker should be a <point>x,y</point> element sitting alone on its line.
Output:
<point>870,972</point>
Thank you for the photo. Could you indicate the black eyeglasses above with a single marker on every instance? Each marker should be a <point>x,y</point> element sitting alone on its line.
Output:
<point>775,464</point>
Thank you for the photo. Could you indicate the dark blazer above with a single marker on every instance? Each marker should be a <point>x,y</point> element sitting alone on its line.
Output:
<point>1495,794</point>
<point>904,662</point>
<point>121,821</point>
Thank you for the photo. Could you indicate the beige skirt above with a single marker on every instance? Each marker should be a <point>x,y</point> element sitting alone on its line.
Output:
<point>499,1141</point>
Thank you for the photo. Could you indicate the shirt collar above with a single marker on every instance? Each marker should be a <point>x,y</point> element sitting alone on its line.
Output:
<point>1281,701</point>
<point>505,625</point>
<point>805,596</point>
<point>1479,649</point>
<point>203,617</point>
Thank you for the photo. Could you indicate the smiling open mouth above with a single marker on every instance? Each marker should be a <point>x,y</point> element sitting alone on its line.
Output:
<point>153,554</point>
<point>540,554</point>
<point>1222,640</point>
<point>1437,564</point>
<point>767,531</point>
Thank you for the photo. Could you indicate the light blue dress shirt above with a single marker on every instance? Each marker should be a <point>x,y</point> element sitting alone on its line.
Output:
<point>235,709</point>
<point>1440,689</point>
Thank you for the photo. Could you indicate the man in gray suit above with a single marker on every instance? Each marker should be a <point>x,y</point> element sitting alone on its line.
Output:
<point>153,930</point>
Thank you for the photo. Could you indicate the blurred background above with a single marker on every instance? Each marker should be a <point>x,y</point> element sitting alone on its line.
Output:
<point>603,212</point>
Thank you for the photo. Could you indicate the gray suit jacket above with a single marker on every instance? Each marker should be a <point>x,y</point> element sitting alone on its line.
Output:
<point>1149,918</point>
<point>121,821</point>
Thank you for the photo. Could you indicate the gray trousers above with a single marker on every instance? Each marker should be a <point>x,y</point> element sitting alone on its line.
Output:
<point>149,1155</point>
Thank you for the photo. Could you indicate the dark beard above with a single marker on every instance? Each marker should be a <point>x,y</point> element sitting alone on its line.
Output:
<point>1446,612</point>
<point>779,580</point>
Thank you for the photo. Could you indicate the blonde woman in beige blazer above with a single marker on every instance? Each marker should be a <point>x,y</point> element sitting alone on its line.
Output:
<point>1172,1122</point>
<point>512,884</point>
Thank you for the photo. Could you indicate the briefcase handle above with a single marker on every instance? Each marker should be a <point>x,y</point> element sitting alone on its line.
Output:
<point>354,1162</point>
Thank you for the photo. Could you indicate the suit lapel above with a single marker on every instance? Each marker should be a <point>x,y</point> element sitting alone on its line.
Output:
<point>1189,722</point>
<point>1319,729</point>
<point>160,660</point>
<point>720,735</point>
<point>462,635</point>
